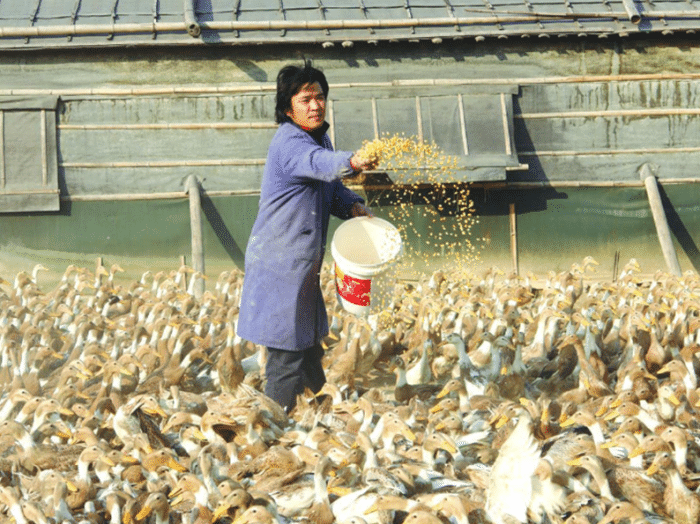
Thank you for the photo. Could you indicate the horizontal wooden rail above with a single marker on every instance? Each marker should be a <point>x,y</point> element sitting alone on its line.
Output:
<point>164,163</point>
<point>121,197</point>
<point>490,17</point>
<point>610,152</point>
<point>186,126</point>
<point>486,185</point>
<point>261,161</point>
<point>671,111</point>
<point>268,87</point>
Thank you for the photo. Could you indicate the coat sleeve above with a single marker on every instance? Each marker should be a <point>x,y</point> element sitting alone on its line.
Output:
<point>342,200</point>
<point>304,158</point>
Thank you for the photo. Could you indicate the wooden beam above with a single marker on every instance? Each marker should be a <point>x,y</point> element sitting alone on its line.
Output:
<point>657,210</point>
<point>514,239</point>
<point>193,189</point>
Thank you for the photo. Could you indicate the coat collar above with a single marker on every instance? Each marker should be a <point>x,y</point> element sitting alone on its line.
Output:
<point>316,134</point>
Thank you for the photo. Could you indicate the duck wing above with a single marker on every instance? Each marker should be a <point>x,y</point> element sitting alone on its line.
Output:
<point>155,436</point>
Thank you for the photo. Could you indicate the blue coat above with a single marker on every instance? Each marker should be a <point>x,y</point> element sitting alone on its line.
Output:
<point>281,301</point>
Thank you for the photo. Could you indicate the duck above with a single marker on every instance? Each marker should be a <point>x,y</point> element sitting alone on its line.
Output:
<point>294,500</point>
<point>11,498</point>
<point>509,491</point>
<point>420,372</point>
<point>257,514</point>
<point>624,446</point>
<point>403,391</point>
<point>320,511</point>
<point>132,419</point>
<point>353,505</point>
<point>686,452</point>
<point>648,419</point>
<point>584,417</point>
<point>272,469</point>
<point>190,496</point>
<point>626,511</point>
<point>233,504</point>
<point>683,505</point>
<point>620,482</point>
<point>380,478</point>
<point>157,504</point>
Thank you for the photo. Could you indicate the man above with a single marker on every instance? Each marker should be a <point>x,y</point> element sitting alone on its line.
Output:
<point>282,305</point>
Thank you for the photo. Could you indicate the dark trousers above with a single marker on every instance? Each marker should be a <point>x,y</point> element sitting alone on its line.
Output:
<point>289,372</point>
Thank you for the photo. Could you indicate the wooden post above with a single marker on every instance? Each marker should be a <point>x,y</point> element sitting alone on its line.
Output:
<point>513,240</point>
<point>193,189</point>
<point>657,210</point>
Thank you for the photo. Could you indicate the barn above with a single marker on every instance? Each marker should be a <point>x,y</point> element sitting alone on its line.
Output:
<point>137,131</point>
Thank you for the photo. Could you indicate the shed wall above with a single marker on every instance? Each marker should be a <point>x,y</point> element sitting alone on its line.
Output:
<point>134,127</point>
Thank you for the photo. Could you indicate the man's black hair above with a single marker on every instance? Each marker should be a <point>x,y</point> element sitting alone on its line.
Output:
<point>290,80</point>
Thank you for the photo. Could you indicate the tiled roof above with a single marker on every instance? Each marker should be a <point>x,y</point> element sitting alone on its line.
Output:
<point>61,23</point>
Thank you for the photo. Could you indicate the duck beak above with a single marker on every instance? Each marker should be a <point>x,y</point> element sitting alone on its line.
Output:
<point>443,392</point>
<point>145,511</point>
<point>174,464</point>
<point>568,421</point>
<point>502,421</point>
<point>613,414</point>
<point>574,462</point>
<point>106,460</point>
<point>220,511</point>
<point>635,452</point>
<point>601,411</point>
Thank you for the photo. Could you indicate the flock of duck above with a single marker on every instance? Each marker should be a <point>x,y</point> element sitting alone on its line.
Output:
<point>470,398</point>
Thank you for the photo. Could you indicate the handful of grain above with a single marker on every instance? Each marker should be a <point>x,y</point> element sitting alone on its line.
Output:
<point>427,202</point>
<point>398,152</point>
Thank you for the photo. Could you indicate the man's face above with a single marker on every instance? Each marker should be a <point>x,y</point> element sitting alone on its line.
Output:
<point>308,107</point>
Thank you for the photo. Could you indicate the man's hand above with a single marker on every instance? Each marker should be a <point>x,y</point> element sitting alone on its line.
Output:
<point>360,162</point>
<point>359,210</point>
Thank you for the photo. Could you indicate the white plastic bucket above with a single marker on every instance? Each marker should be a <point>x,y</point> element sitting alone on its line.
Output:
<point>362,248</point>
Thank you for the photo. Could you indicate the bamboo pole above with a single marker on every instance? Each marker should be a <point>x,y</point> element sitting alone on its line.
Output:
<point>176,125</point>
<point>605,152</point>
<point>462,124</point>
<point>132,197</point>
<point>514,239</point>
<point>165,163</point>
<point>44,150</point>
<point>657,210</point>
<point>488,17</point>
<point>193,26</point>
<point>193,189</point>
<point>269,125</point>
<point>632,11</point>
<point>32,192</point>
<point>506,124</point>
<point>127,197</point>
<point>281,25</point>
<point>3,174</point>
<point>672,111</point>
<point>269,87</point>
<point>261,161</point>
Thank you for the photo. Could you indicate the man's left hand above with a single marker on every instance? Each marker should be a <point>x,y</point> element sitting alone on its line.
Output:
<point>359,210</point>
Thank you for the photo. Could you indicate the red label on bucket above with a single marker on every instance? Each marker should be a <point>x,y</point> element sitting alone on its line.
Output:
<point>354,290</point>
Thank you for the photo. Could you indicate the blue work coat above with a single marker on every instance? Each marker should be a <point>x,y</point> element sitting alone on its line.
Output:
<point>281,301</point>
